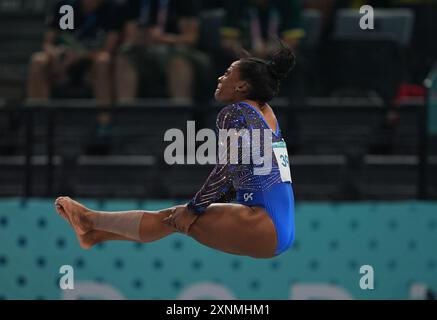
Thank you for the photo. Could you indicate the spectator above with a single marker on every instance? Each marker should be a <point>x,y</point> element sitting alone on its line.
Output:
<point>422,53</point>
<point>159,55</point>
<point>79,56</point>
<point>324,7</point>
<point>256,25</point>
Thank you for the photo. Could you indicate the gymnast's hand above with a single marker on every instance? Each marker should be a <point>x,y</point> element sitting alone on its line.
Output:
<point>181,219</point>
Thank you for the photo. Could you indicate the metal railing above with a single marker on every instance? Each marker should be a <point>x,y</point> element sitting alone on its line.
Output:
<point>53,112</point>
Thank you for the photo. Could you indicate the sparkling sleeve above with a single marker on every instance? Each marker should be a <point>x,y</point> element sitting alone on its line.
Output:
<point>218,187</point>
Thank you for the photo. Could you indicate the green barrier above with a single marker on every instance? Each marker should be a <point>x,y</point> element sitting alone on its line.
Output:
<point>332,242</point>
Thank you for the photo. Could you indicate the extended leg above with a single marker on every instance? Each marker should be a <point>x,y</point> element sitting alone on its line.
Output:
<point>102,79</point>
<point>144,226</point>
<point>38,86</point>
<point>231,228</point>
<point>180,78</point>
<point>126,80</point>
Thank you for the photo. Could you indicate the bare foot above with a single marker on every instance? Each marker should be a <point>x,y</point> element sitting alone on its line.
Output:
<point>75,213</point>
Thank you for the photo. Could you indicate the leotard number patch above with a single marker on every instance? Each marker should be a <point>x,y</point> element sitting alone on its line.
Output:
<point>281,154</point>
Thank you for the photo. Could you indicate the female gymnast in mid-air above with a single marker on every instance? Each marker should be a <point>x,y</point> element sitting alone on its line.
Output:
<point>261,222</point>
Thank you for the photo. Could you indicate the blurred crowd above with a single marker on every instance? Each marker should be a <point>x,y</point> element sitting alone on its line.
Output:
<point>124,50</point>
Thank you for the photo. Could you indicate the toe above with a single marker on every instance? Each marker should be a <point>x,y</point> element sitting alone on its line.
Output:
<point>60,209</point>
<point>62,201</point>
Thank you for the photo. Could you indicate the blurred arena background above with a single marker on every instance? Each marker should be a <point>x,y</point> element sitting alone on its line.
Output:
<point>359,115</point>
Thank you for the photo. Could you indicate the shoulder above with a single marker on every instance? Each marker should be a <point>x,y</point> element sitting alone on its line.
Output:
<point>231,116</point>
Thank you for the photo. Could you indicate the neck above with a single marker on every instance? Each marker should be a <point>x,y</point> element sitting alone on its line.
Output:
<point>255,104</point>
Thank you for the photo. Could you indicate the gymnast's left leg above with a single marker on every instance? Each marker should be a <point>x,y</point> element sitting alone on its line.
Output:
<point>93,227</point>
<point>231,228</point>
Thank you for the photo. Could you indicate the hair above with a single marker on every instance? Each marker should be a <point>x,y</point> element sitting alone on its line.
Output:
<point>264,77</point>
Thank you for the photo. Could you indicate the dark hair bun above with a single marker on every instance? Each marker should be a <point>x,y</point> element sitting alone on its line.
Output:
<point>282,63</point>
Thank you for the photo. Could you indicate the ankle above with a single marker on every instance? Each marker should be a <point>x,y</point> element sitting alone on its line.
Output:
<point>88,240</point>
<point>92,217</point>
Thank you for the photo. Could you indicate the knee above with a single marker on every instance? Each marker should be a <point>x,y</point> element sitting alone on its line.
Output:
<point>179,63</point>
<point>121,61</point>
<point>39,61</point>
<point>172,210</point>
<point>123,65</point>
<point>102,60</point>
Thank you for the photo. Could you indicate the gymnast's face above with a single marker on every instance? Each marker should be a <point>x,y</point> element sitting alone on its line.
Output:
<point>231,88</point>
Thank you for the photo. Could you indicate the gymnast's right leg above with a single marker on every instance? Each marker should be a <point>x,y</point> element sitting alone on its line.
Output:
<point>93,227</point>
<point>231,228</point>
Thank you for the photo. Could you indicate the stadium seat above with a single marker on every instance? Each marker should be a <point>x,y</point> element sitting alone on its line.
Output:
<point>365,62</point>
<point>210,23</point>
<point>312,24</point>
<point>394,24</point>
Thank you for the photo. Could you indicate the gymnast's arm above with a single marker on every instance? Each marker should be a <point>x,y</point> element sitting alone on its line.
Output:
<point>219,184</point>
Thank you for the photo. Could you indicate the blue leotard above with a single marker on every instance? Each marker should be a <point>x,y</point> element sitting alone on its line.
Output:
<point>229,181</point>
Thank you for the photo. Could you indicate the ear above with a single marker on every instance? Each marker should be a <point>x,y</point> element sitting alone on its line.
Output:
<point>243,86</point>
